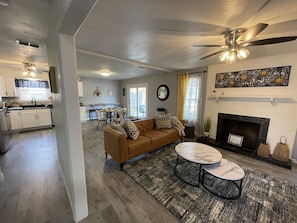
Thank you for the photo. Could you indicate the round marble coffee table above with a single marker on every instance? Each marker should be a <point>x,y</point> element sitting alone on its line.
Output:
<point>225,179</point>
<point>196,153</point>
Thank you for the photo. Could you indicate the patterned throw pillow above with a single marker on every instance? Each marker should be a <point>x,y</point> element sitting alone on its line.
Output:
<point>132,130</point>
<point>120,128</point>
<point>163,121</point>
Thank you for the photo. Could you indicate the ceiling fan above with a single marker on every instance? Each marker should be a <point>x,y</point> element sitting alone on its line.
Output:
<point>237,39</point>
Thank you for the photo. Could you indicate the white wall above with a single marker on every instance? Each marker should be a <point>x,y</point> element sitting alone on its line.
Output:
<point>154,81</point>
<point>282,113</point>
<point>104,85</point>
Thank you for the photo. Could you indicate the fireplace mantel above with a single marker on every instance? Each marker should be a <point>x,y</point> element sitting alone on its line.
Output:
<point>270,98</point>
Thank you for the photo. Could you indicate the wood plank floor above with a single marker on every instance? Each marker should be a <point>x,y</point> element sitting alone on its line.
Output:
<point>33,189</point>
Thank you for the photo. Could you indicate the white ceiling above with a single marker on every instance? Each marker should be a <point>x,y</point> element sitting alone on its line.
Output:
<point>131,38</point>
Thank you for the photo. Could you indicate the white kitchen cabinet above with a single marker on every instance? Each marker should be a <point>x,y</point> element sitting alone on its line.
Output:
<point>36,118</point>
<point>16,120</point>
<point>83,114</point>
<point>80,89</point>
<point>7,87</point>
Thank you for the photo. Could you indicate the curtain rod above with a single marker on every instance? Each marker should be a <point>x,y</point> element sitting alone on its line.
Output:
<point>204,71</point>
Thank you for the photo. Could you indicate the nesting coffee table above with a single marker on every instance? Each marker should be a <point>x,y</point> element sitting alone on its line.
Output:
<point>197,153</point>
<point>219,176</point>
<point>225,179</point>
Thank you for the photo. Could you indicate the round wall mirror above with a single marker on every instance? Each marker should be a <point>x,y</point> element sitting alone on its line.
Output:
<point>163,92</point>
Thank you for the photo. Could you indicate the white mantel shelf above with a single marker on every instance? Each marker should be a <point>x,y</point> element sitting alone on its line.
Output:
<point>270,98</point>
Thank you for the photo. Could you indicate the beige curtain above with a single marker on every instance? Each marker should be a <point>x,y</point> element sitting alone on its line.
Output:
<point>183,79</point>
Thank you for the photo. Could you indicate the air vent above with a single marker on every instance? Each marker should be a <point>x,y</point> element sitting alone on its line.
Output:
<point>25,43</point>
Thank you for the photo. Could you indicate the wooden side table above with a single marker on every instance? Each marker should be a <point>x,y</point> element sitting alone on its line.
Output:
<point>189,131</point>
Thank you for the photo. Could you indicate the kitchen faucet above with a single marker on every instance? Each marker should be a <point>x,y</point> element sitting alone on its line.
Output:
<point>33,100</point>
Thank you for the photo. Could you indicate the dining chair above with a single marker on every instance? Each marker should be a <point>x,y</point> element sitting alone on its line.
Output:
<point>101,119</point>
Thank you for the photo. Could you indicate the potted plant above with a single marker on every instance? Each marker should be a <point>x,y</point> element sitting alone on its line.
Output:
<point>207,125</point>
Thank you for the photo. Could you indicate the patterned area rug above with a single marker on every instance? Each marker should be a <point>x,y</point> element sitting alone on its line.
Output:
<point>263,199</point>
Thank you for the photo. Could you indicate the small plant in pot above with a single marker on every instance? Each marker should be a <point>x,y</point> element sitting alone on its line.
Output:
<point>207,125</point>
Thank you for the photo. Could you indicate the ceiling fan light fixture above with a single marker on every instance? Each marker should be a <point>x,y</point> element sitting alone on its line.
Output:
<point>224,56</point>
<point>243,53</point>
<point>233,56</point>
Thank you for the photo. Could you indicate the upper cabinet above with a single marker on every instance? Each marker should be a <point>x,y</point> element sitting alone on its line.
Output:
<point>80,89</point>
<point>7,87</point>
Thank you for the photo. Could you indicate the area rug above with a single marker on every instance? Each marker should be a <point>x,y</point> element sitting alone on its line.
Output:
<point>263,199</point>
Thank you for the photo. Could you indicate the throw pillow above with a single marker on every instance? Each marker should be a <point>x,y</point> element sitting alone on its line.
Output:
<point>132,130</point>
<point>163,121</point>
<point>120,128</point>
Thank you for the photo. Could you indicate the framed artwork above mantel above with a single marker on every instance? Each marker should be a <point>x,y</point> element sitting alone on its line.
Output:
<point>262,77</point>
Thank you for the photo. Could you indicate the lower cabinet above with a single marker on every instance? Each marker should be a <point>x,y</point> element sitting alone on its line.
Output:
<point>30,118</point>
<point>16,120</point>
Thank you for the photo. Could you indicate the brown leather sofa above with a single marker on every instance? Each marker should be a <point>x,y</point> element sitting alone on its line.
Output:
<point>123,149</point>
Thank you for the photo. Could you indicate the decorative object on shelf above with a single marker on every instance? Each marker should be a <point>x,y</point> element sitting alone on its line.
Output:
<point>281,150</point>
<point>214,93</point>
<point>161,111</point>
<point>97,92</point>
<point>163,92</point>
<point>207,125</point>
<point>264,77</point>
<point>124,92</point>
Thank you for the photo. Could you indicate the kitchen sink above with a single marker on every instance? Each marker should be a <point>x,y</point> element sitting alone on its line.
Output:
<point>34,106</point>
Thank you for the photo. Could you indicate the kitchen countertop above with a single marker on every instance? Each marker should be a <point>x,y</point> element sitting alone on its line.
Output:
<point>27,107</point>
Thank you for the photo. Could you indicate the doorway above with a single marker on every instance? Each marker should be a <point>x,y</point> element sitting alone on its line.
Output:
<point>137,100</point>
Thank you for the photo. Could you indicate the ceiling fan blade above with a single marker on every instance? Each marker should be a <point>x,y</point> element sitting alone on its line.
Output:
<point>251,33</point>
<point>211,55</point>
<point>271,41</point>
<point>207,45</point>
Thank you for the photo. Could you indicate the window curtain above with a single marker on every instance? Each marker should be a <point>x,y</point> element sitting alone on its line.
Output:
<point>194,101</point>
<point>181,94</point>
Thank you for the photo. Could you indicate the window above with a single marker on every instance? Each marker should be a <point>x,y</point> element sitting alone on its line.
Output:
<point>194,104</point>
<point>137,100</point>
<point>27,89</point>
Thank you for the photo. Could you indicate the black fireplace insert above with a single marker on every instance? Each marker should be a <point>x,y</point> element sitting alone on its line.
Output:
<point>252,130</point>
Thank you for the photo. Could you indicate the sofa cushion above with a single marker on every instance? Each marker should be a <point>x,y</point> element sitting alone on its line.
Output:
<point>120,128</point>
<point>132,130</point>
<point>157,137</point>
<point>173,132</point>
<point>163,121</point>
<point>142,143</point>
<point>145,125</point>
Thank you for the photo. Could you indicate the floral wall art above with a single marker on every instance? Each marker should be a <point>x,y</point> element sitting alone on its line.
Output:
<point>263,77</point>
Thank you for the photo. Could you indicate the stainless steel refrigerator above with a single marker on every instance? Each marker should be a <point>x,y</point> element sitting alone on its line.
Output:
<point>5,129</point>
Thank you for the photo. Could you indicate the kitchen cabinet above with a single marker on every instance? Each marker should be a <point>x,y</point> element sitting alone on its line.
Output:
<point>7,87</point>
<point>36,118</point>
<point>16,120</point>
<point>80,89</point>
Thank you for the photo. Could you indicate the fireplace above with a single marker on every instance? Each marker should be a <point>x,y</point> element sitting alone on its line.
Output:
<point>250,131</point>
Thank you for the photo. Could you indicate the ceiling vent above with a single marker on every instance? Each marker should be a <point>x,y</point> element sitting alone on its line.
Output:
<point>25,43</point>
